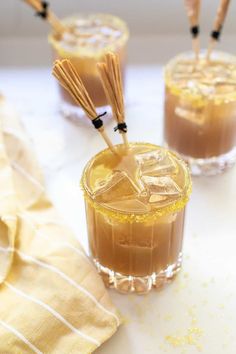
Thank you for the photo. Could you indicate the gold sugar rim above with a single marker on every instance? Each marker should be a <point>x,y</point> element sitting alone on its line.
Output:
<point>197,99</point>
<point>112,47</point>
<point>120,216</point>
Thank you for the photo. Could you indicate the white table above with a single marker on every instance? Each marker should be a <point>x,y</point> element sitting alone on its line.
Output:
<point>199,306</point>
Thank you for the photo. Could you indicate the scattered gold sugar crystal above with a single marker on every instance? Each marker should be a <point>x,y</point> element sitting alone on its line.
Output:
<point>190,338</point>
<point>125,320</point>
<point>192,335</point>
<point>205,284</point>
<point>168,317</point>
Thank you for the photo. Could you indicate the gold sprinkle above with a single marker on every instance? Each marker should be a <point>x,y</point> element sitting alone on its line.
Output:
<point>205,284</point>
<point>204,302</point>
<point>125,320</point>
<point>221,306</point>
<point>168,317</point>
<point>175,341</point>
<point>162,347</point>
<point>180,286</point>
<point>196,330</point>
<point>191,338</point>
<point>191,311</point>
<point>192,335</point>
<point>199,347</point>
<point>226,330</point>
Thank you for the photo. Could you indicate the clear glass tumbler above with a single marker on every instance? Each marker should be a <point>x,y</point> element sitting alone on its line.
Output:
<point>200,111</point>
<point>135,207</point>
<point>91,37</point>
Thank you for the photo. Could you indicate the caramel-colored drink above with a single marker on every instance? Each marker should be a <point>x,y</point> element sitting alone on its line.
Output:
<point>135,206</point>
<point>200,107</point>
<point>89,38</point>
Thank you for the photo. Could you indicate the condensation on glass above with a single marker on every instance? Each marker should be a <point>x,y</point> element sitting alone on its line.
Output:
<point>135,207</point>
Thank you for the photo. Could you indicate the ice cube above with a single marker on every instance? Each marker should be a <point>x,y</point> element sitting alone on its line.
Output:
<point>156,163</point>
<point>130,167</point>
<point>207,90</point>
<point>81,22</point>
<point>117,186</point>
<point>69,38</point>
<point>149,158</point>
<point>93,39</point>
<point>116,34</point>
<point>106,31</point>
<point>157,201</point>
<point>156,198</point>
<point>193,115</point>
<point>130,205</point>
<point>163,186</point>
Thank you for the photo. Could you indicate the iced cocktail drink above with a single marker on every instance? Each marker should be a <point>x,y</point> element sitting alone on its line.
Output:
<point>135,207</point>
<point>200,110</point>
<point>89,38</point>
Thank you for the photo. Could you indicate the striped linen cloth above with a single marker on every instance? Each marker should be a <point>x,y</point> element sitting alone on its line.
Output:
<point>51,298</point>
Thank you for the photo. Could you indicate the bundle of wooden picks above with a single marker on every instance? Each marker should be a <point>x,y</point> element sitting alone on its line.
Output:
<point>68,77</point>
<point>111,78</point>
<point>110,72</point>
<point>43,11</point>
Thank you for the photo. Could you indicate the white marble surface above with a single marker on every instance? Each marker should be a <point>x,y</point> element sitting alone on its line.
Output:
<point>199,306</point>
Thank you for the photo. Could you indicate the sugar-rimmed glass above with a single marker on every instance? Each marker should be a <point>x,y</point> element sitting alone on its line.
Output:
<point>200,110</point>
<point>136,236</point>
<point>93,36</point>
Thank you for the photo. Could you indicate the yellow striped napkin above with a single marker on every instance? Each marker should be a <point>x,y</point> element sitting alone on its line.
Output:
<point>51,298</point>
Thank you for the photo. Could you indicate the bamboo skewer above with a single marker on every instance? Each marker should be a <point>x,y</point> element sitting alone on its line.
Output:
<point>110,74</point>
<point>67,76</point>
<point>193,9</point>
<point>218,24</point>
<point>42,10</point>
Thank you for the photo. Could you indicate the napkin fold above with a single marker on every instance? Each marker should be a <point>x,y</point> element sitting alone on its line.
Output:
<point>52,301</point>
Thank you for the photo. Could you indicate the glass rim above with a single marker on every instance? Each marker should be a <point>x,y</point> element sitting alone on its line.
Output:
<point>150,216</point>
<point>65,53</point>
<point>197,98</point>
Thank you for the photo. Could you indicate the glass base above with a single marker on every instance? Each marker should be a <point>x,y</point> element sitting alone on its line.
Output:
<point>75,114</point>
<point>140,285</point>
<point>210,166</point>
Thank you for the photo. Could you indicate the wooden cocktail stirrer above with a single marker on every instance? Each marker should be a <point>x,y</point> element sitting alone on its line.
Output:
<point>218,25</point>
<point>193,10</point>
<point>43,11</point>
<point>67,76</point>
<point>110,74</point>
